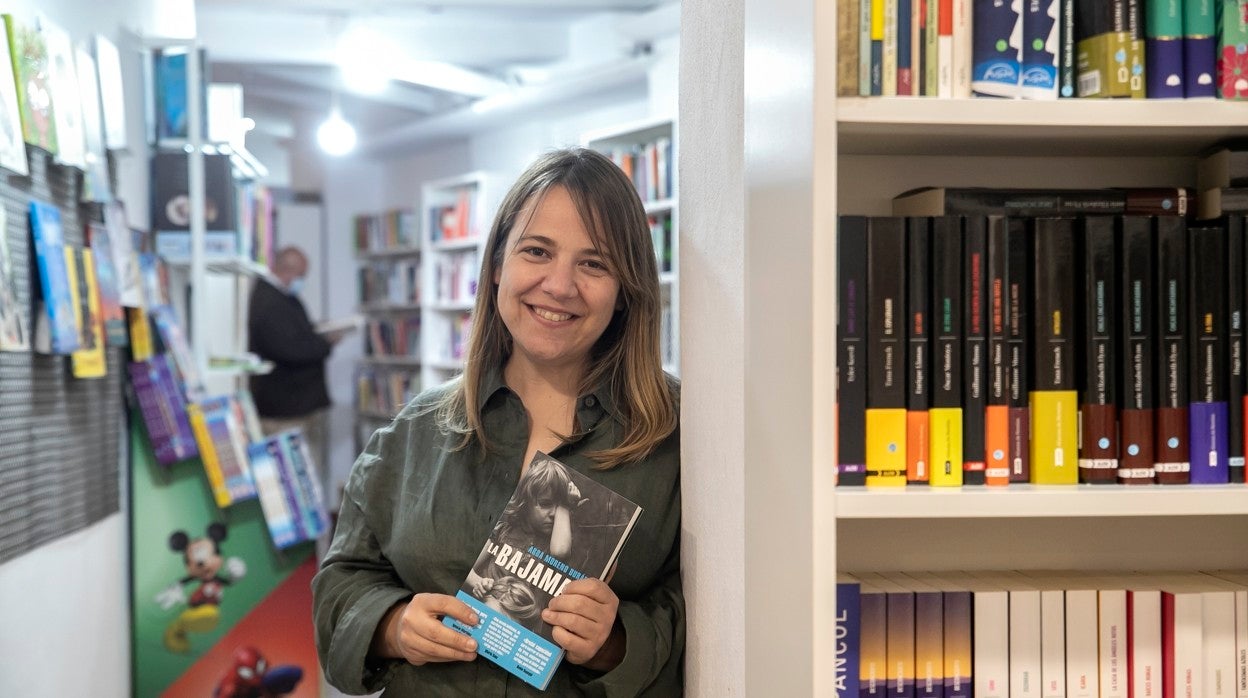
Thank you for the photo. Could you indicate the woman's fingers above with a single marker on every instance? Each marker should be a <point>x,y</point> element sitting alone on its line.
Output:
<point>422,636</point>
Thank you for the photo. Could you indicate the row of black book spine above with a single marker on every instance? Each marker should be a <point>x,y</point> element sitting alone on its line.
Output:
<point>994,349</point>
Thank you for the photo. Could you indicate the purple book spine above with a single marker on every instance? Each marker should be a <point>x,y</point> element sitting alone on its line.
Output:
<point>1208,441</point>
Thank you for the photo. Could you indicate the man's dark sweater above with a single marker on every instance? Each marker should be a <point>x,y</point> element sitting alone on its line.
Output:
<point>279,331</point>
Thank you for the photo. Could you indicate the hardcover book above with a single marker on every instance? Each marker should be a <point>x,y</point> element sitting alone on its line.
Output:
<point>939,201</point>
<point>1040,54</point>
<point>278,515</point>
<point>1207,318</point>
<point>1018,348</point>
<point>14,335</point>
<point>886,349</point>
<point>163,410</point>
<point>851,364</point>
<point>1236,386</point>
<point>89,360</point>
<point>223,449</point>
<point>847,634</point>
<point>56,331</point>
<point>1098,397</point>
<point>33,76</point>
<point>300,479</point>
<point>173,341</point>
<point>918,355</point>
<point>125,260</point>
<point>1107,50</point>
<point>997,49</point>
<point>12,147</point>
<point>945,415</point>
<point>111,312</point>
<point>535,550</point>
<point>1137,372</point>
<point>997,412</point>
<point>1232,42</point>
<point>1054,400</point>
<point>974,347</point>
<point>1171,446</point>
<point>1163,49</point>
<point>1200,48</point>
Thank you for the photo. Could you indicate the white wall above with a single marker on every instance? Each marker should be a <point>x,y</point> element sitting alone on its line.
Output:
<point>65,605</point>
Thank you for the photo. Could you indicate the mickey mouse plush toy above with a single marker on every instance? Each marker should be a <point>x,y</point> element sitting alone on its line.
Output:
<point>205,565</point>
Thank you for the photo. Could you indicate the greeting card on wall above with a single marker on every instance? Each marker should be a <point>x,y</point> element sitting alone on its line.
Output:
<point>64,83</point>
<point>12,148</point>
<point>33,82</point>
<point>112,94</point>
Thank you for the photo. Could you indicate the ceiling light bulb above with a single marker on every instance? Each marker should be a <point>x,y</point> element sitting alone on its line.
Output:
<point>336,136</point>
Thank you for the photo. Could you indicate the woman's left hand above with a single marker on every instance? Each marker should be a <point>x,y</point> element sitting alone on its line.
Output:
<point>583,617</point>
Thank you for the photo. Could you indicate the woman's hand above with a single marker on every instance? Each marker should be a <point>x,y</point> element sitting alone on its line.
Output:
<point>583,617</point>
<point>414,631</point>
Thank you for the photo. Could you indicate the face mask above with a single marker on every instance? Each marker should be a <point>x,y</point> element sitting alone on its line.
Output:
<point>296,286</point>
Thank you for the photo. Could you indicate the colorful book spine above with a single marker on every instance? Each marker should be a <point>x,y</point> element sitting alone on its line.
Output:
<point>944,49</point>
<point>997,49</point>
<point>1054,399</point>
<point>1136,367</point>
<point>56,332</point>
<point>959,672</point>
<point>208,455</point>
<point>848,633</point>
<point>851,335</point>
<point>872,642</point>
<point>1235,299</point>
<point>1041,50</point>
<point>1098,400</point>
<point>1103,49</point>
<point>975,304</point>
<point>919,353</point>
<point>905,54</point>
<point>929,653</point>
<point>1200,49</point>
<point>877,48</point>
<point>886,349</point>
<point>1232,24</point>
<point>273,504</point>
<point>1135,48</point>
<point>931,48</point>
<point>1163,21</point>
<point>1018,348</point>
<point>1170,447</point>
<point>1207,411</point>
<point>888,62</point>
<point>945,415</point>
<point>997,412</point>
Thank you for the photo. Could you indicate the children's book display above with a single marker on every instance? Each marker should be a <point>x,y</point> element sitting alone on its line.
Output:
<point>56,331</point>
<point>33,82</point>
<point>289,489</point>
<point>222,440</point>
<point>558,526</point>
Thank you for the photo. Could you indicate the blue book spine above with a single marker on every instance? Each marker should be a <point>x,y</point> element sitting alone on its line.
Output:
<point>929,658</point>
<point>1041,36</point>
<point>905,58</point>
<point>848,624</point>
<point>864,48</point>
<point>1200,49</point>
<point>1208,440</point>
<point>996,51</point>
<point>1164,67</point>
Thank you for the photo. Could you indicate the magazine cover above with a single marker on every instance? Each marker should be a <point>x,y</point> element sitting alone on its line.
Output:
<point>12,147</point>
<point>33,81</point>
<point>559,526</point>
<point>13,335</point>
<point>64,84</point>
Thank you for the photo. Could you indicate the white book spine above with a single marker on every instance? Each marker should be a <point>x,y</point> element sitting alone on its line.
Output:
<point>1145,643</point>
<point>1112,630</point>
<point>1188,645</point>
<point>1053,643</point>
<point>991,659</point>
<point>1218,635</point>
<point>1082,670</point>
<point>963,47</point>
<point>1025,647</point>
<point>889,63</point>
<point>1241,643</point>
<point>864,48</point>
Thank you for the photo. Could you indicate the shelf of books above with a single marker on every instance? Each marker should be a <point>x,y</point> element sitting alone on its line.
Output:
<point>456,215</point>
<point>646,151</point>
<point>1039,358</point>
<point>389,288</point>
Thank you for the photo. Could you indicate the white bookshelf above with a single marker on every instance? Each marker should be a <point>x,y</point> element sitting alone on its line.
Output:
<point>886,146</point>
<point>452,264</point>
<point>661,203</point>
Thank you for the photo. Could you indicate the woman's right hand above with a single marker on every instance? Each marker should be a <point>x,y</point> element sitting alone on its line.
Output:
<point>414,631</point>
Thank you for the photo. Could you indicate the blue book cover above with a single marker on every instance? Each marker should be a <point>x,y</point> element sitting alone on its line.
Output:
<point>1200,49</point>
<point>163,410</point>
<point>558,526</point>
<point>906,81</point>
<point>847,634</point>
<point>56,329</point>
<point>996,52</point>
<point>273,447</point>
<point>1038,73</point>
<point>292,457</point>
<point>277,514</point>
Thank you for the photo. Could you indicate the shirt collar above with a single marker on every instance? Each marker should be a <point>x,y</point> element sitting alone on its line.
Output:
<point>589,406</point>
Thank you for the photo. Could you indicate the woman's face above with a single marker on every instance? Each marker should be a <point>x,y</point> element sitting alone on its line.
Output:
<point>556,294</point>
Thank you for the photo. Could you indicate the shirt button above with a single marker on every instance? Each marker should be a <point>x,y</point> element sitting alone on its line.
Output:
<point>591,401</point>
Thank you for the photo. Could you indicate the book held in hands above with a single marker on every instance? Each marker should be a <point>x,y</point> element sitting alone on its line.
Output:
<point>559,526</point>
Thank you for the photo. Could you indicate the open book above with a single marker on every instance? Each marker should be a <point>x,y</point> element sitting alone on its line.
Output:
<point>559,526</point>
<point>350,323</point>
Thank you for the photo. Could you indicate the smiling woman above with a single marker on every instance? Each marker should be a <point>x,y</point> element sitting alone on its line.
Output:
<point>563,358</point>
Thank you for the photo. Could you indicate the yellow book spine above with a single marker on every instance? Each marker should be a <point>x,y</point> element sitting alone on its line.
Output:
<point>140,334</point>
<point>877,20</point>
<point>91,363</point>
<point>208,454</point>
<point>886,447</point>
<point>945,449</point>
<point>1054,437</point>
